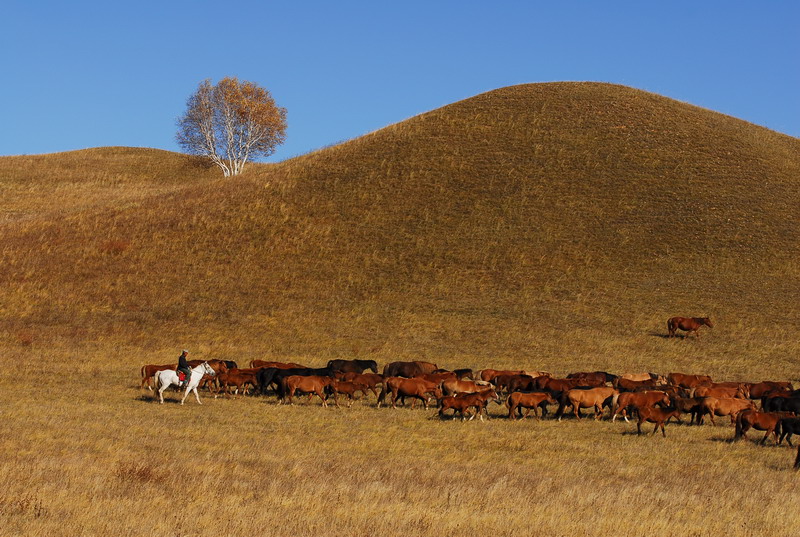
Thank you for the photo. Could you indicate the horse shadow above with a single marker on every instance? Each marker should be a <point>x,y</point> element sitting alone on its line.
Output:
<point>662,335</point>
<point>144,398</point>
<point>724,439</point>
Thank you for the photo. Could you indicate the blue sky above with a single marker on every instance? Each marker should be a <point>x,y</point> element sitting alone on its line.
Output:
<point>89,73</point>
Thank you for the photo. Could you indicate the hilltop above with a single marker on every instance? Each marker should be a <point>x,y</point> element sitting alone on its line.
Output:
<point>543,224</point>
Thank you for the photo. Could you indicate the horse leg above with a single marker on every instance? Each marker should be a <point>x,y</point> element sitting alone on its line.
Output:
<point>639,428</point>
<point>663,432</point>
<point>195,394</point>
<point>797,460</point>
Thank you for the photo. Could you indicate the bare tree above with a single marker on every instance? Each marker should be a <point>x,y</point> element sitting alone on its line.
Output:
<point>231,123</point>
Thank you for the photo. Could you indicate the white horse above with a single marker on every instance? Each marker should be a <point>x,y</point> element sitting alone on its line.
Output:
<point>165,379</point>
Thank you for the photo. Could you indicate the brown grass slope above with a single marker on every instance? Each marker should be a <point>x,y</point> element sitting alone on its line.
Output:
<point>50,186</point>
<point>546,224</point>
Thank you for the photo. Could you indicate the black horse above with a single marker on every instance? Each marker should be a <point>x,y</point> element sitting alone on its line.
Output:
<point>788,427</point>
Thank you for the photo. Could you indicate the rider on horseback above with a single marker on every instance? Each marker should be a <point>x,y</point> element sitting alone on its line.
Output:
<point>183,367</point>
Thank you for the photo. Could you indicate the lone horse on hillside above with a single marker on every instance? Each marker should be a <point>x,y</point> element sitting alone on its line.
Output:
<point>165,379</point>
<point>688,324</point>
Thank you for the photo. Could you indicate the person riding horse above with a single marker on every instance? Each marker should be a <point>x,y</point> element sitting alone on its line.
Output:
<point>183,367</point>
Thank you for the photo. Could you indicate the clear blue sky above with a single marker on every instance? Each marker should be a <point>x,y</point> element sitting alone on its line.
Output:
<point>98,73</point>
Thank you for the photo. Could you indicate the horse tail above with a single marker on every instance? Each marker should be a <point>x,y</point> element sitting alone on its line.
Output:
<point>671,326</point>
<point>614,404</point>
<point>156,384</point>
<point>738,433</point>
<point>142,374</point>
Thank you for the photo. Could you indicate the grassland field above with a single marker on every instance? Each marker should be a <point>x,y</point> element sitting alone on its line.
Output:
<point>552,226</point>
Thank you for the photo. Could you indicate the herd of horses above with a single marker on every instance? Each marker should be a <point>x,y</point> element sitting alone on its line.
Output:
<point>769,406</point>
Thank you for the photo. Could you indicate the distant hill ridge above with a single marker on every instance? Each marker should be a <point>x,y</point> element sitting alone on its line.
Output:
<point>476,225</point>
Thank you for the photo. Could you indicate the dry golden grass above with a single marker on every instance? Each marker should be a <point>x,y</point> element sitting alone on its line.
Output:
<point>99,457</point>
<point>552,226</point>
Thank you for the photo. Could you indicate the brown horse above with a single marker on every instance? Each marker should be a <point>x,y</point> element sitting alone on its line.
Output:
<point>416,388</point>
<point>760,389</point>
<point>723,406</point>
<point>454,386</point>
<point>312,385</point>
<point>463,402</point>
<point>739,391</point>
<point>240,378</point>
<point>625,385</point>
<point>489,374</point>
<point>148,371</point>
<point>347,388</point>
<point>689,405</point>
<point>688,381</point>
<point>659,416</point>
<point>690,325</point>
<point>528,401</point>
<point>369,380</point>
<point>760,421</point>
<point>637,400</point>
<point>408,369</point>
<point>591,398</point>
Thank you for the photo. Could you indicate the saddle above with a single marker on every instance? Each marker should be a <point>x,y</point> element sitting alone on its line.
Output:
<point>181,377</point>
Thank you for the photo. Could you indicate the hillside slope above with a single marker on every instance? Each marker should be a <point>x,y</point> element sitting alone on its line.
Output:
<point>532,224</point>
<point>51,186</point>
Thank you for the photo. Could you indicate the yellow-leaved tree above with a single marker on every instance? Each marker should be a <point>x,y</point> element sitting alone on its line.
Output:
<point>231,123</point>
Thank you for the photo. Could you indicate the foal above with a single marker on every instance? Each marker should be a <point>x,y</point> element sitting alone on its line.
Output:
<point>659,416</point>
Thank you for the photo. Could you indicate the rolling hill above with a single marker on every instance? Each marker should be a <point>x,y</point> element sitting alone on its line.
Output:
<point>544,224</point>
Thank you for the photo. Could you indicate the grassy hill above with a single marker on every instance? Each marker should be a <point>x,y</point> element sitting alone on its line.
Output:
<point>552,226</point>
<point>524,224</point>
